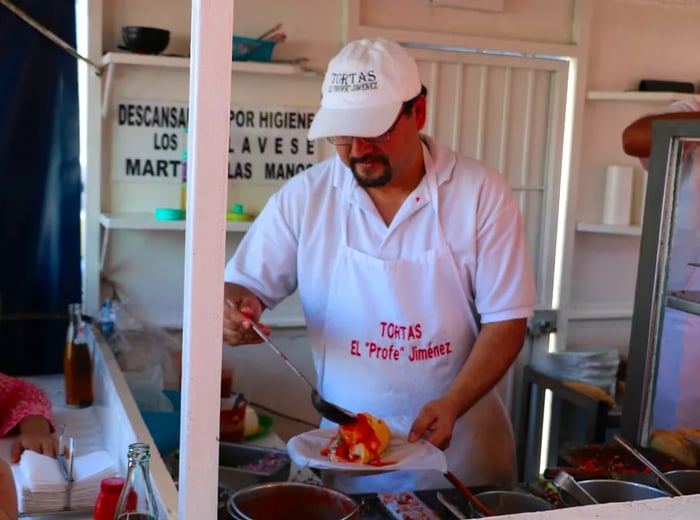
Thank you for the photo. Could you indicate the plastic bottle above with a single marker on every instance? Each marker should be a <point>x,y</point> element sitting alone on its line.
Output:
<point>106,502</point>
<point>77,361</point>
<point>137,501</point>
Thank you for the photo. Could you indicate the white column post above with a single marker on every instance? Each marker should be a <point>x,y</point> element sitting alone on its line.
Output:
<point>205,236</point>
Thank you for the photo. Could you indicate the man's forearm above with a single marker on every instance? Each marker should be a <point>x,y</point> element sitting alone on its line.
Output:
<point>636,138</point>
<point>494,351</point>
<point>235,290</point>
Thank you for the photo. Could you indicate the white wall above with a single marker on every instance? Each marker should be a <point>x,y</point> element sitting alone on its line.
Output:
<point>630,40</point>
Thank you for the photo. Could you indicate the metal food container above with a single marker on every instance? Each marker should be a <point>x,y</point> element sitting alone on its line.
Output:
<point>292,501</point>
<point>686,480</point>
<point>242,465</point>
<point>510,503</point>
<point>605,491</point>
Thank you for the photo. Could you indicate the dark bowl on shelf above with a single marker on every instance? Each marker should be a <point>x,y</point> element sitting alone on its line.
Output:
<point>145,40</point>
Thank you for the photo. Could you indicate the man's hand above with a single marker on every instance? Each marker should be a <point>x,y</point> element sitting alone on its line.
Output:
<point>35,435</point>
<point>241,309</point>
<point>435,422</point>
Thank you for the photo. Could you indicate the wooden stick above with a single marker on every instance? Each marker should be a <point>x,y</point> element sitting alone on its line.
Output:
<point>465,490</point>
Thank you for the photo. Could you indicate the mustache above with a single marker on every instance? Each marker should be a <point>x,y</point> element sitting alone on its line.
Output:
<point>369,157</point>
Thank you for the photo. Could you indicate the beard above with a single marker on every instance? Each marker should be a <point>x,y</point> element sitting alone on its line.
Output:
<point>368,180</point>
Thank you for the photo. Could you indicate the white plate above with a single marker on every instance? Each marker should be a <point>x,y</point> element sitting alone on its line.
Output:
<point>305,450</point>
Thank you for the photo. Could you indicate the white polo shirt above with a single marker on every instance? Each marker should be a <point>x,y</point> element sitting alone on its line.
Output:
<point>294,241</point>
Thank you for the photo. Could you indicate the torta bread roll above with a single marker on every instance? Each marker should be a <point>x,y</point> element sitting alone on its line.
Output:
<point>361,442</point>
<point>675,444</point>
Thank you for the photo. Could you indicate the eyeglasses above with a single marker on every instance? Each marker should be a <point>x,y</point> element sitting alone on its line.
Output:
<point>346,140</point>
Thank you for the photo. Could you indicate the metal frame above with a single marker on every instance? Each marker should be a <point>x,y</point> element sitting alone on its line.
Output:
<point>529,436</point>
<point>650,301</point>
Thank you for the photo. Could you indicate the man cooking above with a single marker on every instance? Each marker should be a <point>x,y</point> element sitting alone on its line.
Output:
<point>411,265</point>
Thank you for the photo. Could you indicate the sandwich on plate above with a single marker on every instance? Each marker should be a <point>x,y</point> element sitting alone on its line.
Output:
<point>361,442</point>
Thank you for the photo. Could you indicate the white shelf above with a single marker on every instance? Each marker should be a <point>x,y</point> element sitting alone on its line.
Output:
<point>601,313</point>
<point>652,97</point>
<point>147,221</point>
<point>256,67</point>
<point>608,229</point>
<point>112,59</point>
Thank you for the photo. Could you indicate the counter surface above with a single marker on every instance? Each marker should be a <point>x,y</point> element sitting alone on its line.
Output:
<point>120,423</point>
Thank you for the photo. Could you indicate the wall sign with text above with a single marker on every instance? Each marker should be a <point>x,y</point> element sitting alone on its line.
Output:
<point>266,145</point>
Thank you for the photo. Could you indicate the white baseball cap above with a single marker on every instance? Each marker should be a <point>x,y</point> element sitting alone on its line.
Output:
<point>364,88</point>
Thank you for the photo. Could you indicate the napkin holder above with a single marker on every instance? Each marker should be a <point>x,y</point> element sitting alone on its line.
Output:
<point>66,466</point>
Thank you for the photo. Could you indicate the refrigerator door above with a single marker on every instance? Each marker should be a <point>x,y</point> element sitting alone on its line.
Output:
<point>662,387</point>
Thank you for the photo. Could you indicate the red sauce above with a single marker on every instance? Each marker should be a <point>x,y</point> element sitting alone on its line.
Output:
<point>350,435</point>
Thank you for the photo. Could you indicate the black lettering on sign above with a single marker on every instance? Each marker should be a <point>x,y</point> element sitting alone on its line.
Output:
<point>291,120</point>
<point>165,141</point>
<point>152,168</point>
<point>278,145</point>
<point>294,145</point>
<point>242,118</point>
<point>129,114</point>
<point>246,146</point>
<point>310,147</point>
<point>262,144</point>
<point>274,171</point>
<point>241,171</point>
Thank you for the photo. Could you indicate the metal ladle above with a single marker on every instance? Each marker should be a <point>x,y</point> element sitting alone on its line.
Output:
<point>648,464</point>
<point>330,411</point>
<point>564,481</point>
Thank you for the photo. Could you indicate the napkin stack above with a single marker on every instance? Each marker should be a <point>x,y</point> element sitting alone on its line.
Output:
<point>42,488</point>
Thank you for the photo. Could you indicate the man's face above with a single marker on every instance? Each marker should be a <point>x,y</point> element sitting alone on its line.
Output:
<point>375,163</point>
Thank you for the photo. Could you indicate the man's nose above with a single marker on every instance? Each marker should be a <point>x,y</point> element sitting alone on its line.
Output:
<point>361,146</point>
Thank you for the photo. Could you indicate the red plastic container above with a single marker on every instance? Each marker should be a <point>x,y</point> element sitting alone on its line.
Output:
<point>106,502</point>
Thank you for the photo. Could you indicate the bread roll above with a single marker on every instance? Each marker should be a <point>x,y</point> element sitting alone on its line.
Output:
<point>675,444</point>
<point>362,441</point>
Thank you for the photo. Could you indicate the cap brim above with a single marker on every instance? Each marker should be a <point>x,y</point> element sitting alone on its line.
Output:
<point>357,122</point>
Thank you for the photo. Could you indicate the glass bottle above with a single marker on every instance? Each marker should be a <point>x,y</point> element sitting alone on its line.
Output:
<point>137,501</point>
<point>77,361</point>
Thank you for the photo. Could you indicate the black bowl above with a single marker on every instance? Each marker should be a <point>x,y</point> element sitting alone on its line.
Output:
<point>145,40</point>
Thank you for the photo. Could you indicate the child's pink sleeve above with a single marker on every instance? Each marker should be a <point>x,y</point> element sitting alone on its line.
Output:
<point>18,399</point>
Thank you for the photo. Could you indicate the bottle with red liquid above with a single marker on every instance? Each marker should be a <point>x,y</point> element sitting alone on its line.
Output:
<point>106,503</point>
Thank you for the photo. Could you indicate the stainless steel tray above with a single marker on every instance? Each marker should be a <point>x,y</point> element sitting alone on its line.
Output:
<point>242,465</point>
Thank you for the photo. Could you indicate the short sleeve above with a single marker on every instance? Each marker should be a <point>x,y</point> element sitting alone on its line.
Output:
<point>266,259</point>
<point>20,399</point>
<point>691,104</point>
<point>505,285</point>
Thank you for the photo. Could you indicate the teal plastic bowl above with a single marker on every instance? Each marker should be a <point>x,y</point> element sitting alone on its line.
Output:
<point>165,426</point>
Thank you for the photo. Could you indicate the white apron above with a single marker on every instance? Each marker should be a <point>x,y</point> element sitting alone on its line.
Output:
<point>396,334</point>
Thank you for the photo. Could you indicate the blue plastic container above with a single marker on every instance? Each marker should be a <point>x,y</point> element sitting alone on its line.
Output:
<point>165,426</point>
<point>252,49</point>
